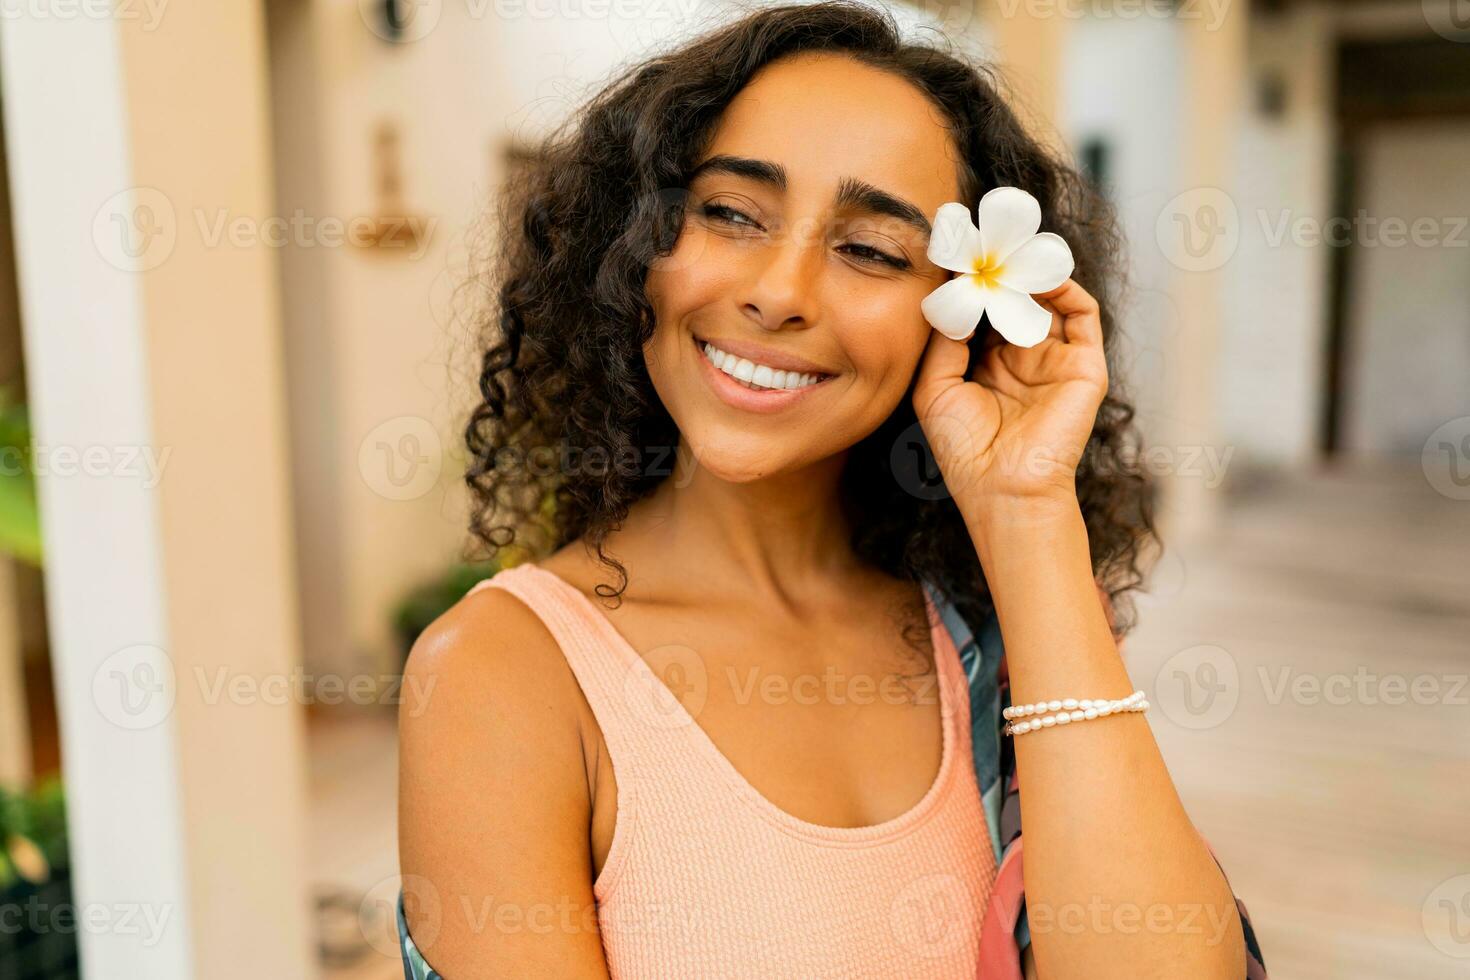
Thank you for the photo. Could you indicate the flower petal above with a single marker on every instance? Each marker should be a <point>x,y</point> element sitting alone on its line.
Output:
<point>1017,317</point>
<point>1008,217</point>
<point>954,244</point>
<point>1041,264</point>
<point>954,309</point>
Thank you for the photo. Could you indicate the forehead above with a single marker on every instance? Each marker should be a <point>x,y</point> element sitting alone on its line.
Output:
<point>828,116</point>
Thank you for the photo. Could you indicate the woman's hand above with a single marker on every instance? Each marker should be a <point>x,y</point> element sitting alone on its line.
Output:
<point>1016,429</point>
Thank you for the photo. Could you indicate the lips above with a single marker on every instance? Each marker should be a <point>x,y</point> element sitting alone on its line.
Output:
<point>760,377</point>
<point>776,360</point>
<point>747,398</point>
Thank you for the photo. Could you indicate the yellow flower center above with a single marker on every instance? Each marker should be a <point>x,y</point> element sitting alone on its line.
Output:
<point>987,270</point>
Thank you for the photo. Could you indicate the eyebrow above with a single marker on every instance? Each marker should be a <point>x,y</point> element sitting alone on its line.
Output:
<point>851,192</point>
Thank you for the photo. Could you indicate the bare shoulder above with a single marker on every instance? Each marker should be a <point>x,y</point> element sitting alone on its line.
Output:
<point>486,683</point>
<point>493,801</point>
<point>489,642</point>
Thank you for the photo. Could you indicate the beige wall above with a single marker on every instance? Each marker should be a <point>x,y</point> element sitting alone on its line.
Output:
<point>1029,50</point>
<point>214,364</point>
<point>377,365</point>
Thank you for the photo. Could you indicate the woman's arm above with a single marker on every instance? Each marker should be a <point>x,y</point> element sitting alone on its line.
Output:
<point>1118,883</point>
<point>493,800</point>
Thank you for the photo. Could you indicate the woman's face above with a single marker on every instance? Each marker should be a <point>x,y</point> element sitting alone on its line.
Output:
<point>802,259</point>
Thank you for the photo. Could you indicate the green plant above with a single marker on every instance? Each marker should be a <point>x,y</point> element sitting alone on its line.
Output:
<point>427,602</point>
<point>35,877</point>
<point>20,526</point>
<point>32,833</point>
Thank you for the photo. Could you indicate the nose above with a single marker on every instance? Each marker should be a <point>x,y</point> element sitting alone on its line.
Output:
<point>781,293</point>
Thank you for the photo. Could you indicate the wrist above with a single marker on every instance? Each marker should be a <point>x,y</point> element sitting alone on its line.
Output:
<point>999,515</point>
<point>1013,526</point>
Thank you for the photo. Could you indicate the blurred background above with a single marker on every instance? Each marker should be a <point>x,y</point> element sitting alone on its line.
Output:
<point>241,248</point>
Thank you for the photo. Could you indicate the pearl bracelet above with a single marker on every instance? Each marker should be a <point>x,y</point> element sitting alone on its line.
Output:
<point>1067,711</point>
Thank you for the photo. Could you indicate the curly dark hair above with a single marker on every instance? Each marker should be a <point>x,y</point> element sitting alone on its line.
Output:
<point>569,432</point>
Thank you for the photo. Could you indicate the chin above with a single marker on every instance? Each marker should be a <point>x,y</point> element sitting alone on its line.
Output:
<point>737,457</point>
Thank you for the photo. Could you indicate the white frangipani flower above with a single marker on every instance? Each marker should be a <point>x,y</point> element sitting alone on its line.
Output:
<point>1000,264</point>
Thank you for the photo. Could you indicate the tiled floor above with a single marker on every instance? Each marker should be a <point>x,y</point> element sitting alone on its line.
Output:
<point>1339,806</point>
<point>354,786</point>
<point>1274,655</point>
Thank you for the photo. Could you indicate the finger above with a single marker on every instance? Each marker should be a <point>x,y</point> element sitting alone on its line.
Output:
<point>941,367</point>
<point>1058,329</point>
<point>994,373</point>
<point>1079,312</point>
<point>1027,361</point>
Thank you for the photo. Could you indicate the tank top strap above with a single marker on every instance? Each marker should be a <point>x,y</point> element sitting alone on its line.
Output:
<point>635,710</point>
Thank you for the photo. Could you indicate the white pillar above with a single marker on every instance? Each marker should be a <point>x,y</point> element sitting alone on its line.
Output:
<point>155,386</point>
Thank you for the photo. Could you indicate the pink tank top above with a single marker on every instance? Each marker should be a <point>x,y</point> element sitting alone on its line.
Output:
<point>707,878</point>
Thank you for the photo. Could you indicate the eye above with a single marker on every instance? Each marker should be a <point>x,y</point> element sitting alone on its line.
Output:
<point>728,215</point>
<point>867,253</point>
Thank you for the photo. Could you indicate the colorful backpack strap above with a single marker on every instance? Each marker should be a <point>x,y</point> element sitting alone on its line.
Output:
<point>415,967</point>
<point>1006,933</point>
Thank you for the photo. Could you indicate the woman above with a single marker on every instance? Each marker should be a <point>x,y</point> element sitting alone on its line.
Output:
<point>711,384</point>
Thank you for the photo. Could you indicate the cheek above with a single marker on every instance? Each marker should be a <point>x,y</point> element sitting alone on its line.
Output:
<point>690,276</point>
<point>682,287</point>
<point>696,283</point>
<point>884,333</point>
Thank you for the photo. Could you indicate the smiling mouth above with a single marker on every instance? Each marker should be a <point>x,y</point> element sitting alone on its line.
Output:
<point>757,376</point>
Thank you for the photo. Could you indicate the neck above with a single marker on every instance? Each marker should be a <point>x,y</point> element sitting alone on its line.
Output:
<point>767,539</point>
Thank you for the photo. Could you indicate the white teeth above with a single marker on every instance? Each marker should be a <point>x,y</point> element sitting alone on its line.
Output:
<point>754,375</point>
